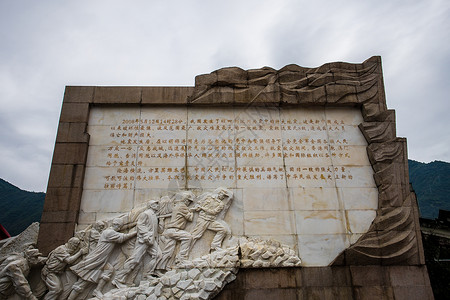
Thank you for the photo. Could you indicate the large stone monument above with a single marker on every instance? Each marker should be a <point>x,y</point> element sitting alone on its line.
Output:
<point>268,183</point>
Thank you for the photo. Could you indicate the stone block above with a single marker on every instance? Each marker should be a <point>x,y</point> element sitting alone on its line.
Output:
<point>52,235</point>
<point>59,216</point>
<point>118,95</point>
<point>270,278</point>
<point>79,94</point>
<point>320,292</point>
<point>70,153</point>
<point>271,294</point>
<point>365,276</point>
<point>230,294</point>
<point>374,293</point>
<point>407,275</point>
<point>72,133</point>
<point>64,176</point>
<point>317,277</point>
<point>62,199</point>
<point>74,112</point>
<point>166,95</point>
<point>413,292</point>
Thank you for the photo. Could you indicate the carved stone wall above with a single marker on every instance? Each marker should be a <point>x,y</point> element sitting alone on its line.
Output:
<point>392,239</point>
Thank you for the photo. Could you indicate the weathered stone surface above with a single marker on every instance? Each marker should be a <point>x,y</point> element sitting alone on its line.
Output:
<point>79,94</point>
<point>20,242</point>
<point>72,133</point>
<point>166,95</point>
<point>74,112</point>
<point>118,95</point>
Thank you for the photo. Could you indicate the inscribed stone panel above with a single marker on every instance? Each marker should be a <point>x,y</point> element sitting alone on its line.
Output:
<point>299,176</point>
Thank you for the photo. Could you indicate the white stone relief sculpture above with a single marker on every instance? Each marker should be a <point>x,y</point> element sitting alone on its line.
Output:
<point>14,270</point>
<point>175,230</point>
<point>147,241</point>
<point>56,264</point>
<point>147,252</point>
<point>212,207</point>
<point>95,268</point>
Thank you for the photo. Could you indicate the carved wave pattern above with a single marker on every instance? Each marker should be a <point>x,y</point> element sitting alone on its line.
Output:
<point>333,83</point>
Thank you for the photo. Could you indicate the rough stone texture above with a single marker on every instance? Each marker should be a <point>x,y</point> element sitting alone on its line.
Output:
<point>20,242</point>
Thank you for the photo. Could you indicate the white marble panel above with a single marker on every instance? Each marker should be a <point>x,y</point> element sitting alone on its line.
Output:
<point>142,196</point>
<point>212,115</point>
<point>114,115</point>
<point>257,115</point>
<point>307,155</point>
<point>107,200</point>
<point>86,218</point>
<point>286,239</point>
<point>320,222</point>
<point>342,155</point>
<point>210,135</point>
<point>347,115</point>
<point>319,250</point>
<point>109,135</point>
<point>304,115</point>
<point>108,216</point>
<point>210,155</point>
<point>162,135</point>
<point>160,177</point>
<point>203,176</point>
<point>163,115</point>
<point>98,178</point>
<point>111,156</point>
<point>304,134</point>
<point>268,222</point>
<point>347,135</point>
<point>264,176</point>
<point>359,198</point>
<point>360,220</point>
<point>161,155</point>
<point>268,199</point>
<point>235,215</point>
<point>310,176</point>
<point>259,155</point>
<point>314,199</point>
<point>354,177</point>
<point>257,134</point>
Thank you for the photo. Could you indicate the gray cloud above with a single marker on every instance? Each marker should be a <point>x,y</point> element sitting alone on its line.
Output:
<point>49,44</point>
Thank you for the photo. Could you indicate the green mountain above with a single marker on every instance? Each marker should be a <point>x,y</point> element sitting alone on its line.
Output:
<point>19,208</point>
<point>431,182</point>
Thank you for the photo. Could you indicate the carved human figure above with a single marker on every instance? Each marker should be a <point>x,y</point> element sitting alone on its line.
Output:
<point>56,264</point>
<point>212,206</point>
<point>13,272</point>
<point>94,234</point>
<point>146,242</point>
<point>95,268</point>
<point>174,230</point>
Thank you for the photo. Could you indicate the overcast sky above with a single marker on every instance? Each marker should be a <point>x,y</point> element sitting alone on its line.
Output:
<point>46,45</point>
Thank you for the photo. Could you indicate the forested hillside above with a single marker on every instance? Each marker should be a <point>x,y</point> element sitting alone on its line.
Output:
<point>431,182</point>
<point>19,208</point>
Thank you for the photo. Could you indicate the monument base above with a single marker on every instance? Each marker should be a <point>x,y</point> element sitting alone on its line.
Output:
<point>337,282</point>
